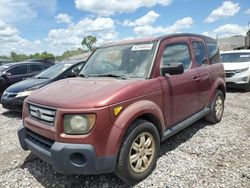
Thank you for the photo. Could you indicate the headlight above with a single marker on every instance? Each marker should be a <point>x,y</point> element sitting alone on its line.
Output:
<point>78,123</point>
<point>24,93</point>
<point>242,70</point>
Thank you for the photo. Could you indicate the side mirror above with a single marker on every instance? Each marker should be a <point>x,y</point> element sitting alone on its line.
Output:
<point>172,69</point>
<point>5,74</point>
<point>71,75</point>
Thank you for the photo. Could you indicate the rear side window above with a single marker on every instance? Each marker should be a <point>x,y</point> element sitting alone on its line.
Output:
<point>200,53</point>
<point>177,53</point>
<point>37,68</point>
<point>22,69</point>
<point>213,52</point>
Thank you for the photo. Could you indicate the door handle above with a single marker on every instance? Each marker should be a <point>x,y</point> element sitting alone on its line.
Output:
<point>196,79</point>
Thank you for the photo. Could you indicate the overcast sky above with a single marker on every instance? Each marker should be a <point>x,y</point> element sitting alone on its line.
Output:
<point>28,26</point>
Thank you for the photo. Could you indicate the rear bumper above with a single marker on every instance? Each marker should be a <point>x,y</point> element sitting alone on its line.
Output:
<point>66,158</point>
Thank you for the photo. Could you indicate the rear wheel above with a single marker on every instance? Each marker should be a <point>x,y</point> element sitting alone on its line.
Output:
<point>217,108</point>
<point>139,152</point>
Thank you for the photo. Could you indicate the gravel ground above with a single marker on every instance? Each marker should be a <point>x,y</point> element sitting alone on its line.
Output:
<point>201,155</point>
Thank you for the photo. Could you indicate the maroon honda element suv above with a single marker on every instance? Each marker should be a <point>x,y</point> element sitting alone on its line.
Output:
<point>127,99</point>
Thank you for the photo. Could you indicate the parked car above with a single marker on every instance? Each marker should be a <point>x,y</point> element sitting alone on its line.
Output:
<point>50,61</point>
<point>131,96</point>
<point>237,68</point>
<point>14,95</point>
<point>15,72</point>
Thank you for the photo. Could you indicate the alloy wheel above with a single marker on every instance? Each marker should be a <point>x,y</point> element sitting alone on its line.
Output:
<point>142,152</point>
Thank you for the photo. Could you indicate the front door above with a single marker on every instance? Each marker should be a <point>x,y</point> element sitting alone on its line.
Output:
<point>17,74</point>
<point>181,91</point>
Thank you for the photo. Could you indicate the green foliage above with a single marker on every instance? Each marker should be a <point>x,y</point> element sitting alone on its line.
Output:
<point>70,53</point>
<point>4,57</point>
<point>21,57</point>
<point>18,57</point>
<point>89,41</point>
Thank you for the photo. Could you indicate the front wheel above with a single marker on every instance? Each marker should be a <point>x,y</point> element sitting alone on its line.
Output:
<point>217,108</point>
<point>247,87</point>
<point>139,152</point>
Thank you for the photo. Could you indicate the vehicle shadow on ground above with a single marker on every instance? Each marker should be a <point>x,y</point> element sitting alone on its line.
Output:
<point>48,177</point>
<point>232,90</point>
<point>173,142</point>
<point>12,114</point>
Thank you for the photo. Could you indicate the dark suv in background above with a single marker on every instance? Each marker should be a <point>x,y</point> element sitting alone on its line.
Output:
<point>50,61</point>
<point>15,72</point>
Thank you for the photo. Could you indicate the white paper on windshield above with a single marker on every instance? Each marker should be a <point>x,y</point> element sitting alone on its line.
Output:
<point>142,47</point>
<point>245,55</point>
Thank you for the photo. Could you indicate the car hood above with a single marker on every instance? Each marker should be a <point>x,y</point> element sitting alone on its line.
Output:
<point>27,84</point>
<point>78,93</point>
<point>236,66</point>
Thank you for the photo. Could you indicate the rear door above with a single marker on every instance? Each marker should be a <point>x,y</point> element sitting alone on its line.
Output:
<point>204,80</point>
<point>181,91</point>
<point>36,68</point>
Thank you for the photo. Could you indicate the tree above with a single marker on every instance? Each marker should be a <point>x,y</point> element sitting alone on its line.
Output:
<point>13,55</point>
<point>70,53</point>
<point>18,57</point>
<point>89,41</point>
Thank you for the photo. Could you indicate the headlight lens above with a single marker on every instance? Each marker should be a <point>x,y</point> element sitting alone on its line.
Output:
<point>242,70</point>
<point>24,93</point>
<point>79,123</point>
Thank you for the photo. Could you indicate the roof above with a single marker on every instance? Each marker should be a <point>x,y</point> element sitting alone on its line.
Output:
<point>206,38</point>
<point>235,51</point>
<point>142,40</point>
<point>21,63</point>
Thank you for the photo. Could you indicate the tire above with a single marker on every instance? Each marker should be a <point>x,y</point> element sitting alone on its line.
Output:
<point>145,157</point>
<point>247,87</point>
<point>216,108</point>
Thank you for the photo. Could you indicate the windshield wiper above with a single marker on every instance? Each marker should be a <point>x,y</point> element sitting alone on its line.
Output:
<point>123,77</point>
<point>83,75</point>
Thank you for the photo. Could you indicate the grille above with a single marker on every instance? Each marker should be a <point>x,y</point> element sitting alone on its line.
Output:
<point>44,114</point>
<point>229,74</point>
<point>9,95</point>
<point>43,142</point>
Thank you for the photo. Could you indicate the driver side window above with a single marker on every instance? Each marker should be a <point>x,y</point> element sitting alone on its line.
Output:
<point>18,70</point>
<point>177,53</point>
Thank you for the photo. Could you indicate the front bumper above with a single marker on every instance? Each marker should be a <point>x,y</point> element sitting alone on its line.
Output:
<point>232,85</point>
<point>239,78</point>
<point>12,103</point>
<point>66,158</point>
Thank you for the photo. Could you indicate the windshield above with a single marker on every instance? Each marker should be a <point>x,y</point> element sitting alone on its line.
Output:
<point>126,61</point>
<point>235,57</point>
<point>53,71</point>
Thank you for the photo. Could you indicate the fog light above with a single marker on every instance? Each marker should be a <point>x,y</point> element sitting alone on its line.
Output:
<point>77,159</point>
<point>244,78</point>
